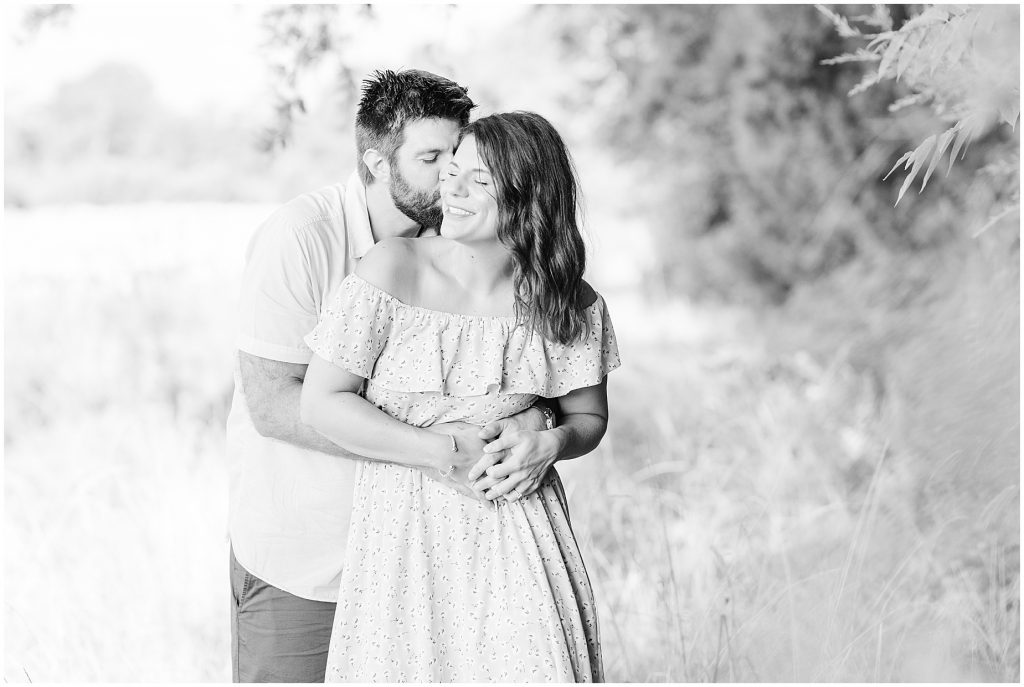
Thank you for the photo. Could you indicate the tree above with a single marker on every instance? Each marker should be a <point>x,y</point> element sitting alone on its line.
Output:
<point>110,107</point>
<point>36,17</point>
<point>964,62</point>
<point>299,39</point>
<point>760,172</point>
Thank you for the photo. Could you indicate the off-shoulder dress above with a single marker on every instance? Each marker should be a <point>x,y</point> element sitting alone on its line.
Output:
<point>438,587</point>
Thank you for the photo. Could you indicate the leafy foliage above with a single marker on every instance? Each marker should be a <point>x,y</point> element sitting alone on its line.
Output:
<point>298,39</point>
<point>962,60</point>
<point>35,17</point>
<point>755,171</point>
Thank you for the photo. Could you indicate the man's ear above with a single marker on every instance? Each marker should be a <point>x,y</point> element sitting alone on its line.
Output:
<point>378,165</point>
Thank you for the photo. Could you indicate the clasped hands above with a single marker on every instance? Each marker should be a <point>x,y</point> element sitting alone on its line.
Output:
<point>505,459</point>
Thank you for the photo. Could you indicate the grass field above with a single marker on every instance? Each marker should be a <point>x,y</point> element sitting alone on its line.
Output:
<point>767,505</point>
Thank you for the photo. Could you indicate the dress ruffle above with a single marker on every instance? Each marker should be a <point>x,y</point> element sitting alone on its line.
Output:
<point>458,355</point>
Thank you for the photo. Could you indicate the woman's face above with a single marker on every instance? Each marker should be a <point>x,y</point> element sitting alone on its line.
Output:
<point>468,197</point>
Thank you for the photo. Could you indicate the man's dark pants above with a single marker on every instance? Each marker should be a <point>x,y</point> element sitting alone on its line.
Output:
<point>276,636</point>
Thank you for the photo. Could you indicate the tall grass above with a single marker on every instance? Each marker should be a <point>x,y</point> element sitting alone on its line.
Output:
<point>118,374</point>
<point>779,509</point>
<point>759,511</point>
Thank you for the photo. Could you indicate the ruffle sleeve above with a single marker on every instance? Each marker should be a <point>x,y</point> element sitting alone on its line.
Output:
<point>406,348</point>
<point>550,369</point>
<point>354,326</point>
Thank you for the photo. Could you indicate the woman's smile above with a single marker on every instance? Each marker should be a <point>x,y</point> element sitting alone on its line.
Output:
<point>467,197</point>
<point>456,211</point>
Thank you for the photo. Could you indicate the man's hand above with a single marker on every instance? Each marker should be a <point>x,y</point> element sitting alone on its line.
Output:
<point>515,463</point>
<point>507,429</point>
<point>531,418</point>
<point>470,453</point>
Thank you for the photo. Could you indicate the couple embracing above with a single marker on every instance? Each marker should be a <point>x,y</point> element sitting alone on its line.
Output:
<point>417,348</point>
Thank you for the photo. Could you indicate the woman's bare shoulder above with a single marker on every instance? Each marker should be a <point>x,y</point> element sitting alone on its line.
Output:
<point>390,265</point>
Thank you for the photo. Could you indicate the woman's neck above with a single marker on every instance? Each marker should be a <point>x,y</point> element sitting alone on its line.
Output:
<point>479,275</point>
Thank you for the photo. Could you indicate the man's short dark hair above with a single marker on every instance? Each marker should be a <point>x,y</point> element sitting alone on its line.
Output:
<point>391,100</point>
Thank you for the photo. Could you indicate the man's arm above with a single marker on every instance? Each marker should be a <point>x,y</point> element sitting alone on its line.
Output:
<point>331,404</point>
<point>272,390</point>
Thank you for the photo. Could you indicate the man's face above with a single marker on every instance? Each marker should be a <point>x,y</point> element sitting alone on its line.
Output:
<point>415,170</point>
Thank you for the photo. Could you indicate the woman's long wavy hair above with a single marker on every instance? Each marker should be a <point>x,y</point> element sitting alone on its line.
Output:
<point>537,195</point>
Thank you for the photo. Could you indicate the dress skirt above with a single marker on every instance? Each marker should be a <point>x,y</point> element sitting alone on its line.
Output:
<point>438,587</point>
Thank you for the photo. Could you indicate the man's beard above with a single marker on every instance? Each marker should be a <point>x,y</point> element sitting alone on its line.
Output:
<point>420,206</point>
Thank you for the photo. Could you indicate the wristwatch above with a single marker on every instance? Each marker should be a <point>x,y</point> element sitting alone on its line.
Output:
<point>549,416</point>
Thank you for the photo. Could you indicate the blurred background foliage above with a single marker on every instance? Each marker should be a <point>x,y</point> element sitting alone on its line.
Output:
<point>813,467</point>
<point>754,168</point>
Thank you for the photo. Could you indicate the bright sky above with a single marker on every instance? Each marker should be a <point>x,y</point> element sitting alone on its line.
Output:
<point>194,54</point>
<point>207,55</point>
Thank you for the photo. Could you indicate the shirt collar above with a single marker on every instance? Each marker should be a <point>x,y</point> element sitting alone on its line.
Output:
<point>357,218</point>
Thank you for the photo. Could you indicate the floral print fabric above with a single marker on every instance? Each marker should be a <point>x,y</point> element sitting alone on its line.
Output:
<point>439,587</point>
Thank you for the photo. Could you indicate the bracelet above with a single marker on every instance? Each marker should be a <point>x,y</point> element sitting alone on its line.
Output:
<point>451,468</point>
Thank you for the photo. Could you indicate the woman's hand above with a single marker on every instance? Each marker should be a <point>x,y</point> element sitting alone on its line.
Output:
<point>455,472</point>
<point>515,463</point>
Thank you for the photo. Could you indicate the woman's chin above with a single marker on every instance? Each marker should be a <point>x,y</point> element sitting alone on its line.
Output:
<point>448,230</point>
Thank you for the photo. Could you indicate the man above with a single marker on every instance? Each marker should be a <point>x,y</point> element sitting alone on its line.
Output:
<point>290,488</point>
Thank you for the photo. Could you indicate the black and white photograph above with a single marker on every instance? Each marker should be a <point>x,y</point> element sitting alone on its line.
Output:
<point>509,343</point>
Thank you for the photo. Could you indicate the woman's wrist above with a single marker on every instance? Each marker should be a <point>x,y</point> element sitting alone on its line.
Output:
<point>440,450</point>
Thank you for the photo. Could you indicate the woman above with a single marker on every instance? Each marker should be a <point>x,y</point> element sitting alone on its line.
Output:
<point>471,325</point>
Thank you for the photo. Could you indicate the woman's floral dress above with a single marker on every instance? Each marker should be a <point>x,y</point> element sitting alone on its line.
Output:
<point>439,587</point>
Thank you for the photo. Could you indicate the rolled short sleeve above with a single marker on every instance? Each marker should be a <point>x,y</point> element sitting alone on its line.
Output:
<point>279,301</point>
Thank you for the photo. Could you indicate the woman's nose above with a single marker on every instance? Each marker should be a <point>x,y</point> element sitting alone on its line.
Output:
<point>455,185</point>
